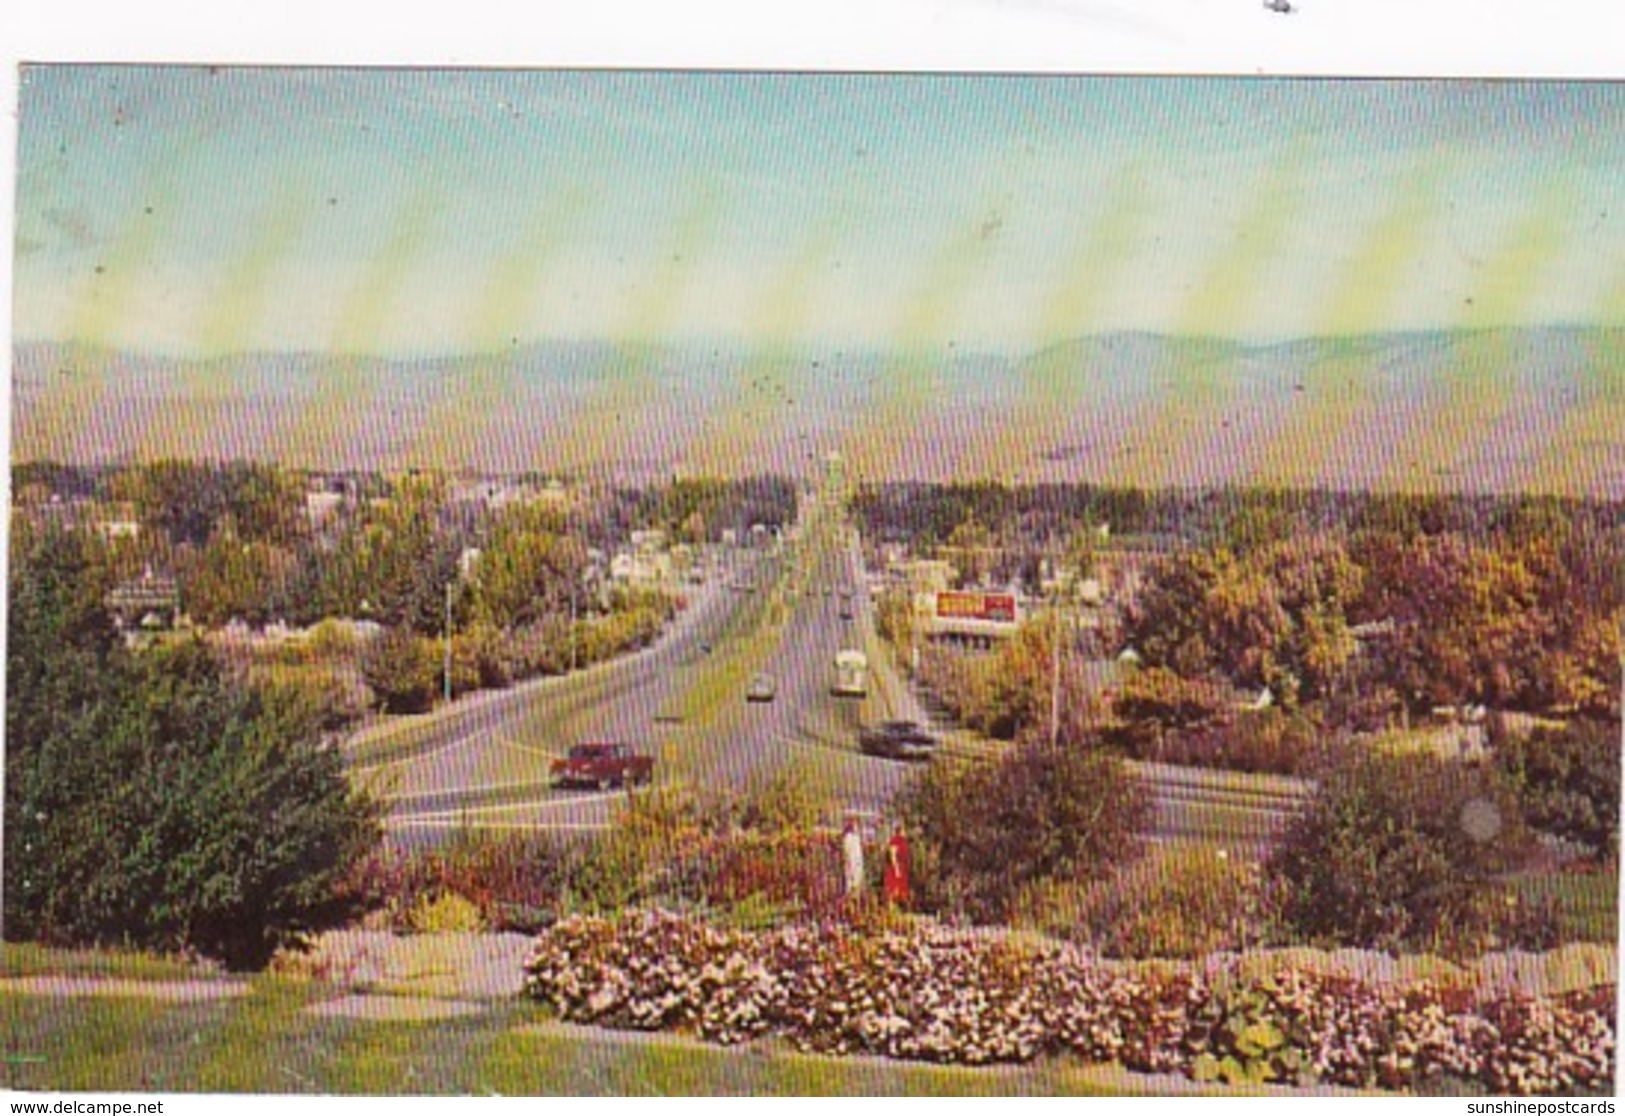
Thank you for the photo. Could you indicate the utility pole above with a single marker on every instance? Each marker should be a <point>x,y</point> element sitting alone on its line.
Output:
<point>448,643</point>
<point>914,634</point>
<point>1055,661</point>
<point>573,534</point>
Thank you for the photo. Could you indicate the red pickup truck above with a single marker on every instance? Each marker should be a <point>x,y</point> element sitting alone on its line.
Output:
<point>602,766</point>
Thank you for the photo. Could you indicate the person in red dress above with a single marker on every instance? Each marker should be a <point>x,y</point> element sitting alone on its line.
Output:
<point>894,881</point>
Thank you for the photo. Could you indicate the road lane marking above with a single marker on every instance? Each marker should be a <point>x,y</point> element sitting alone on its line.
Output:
<point>520,696</point>
<point>509,807</point>
<point>505,742</point>
<point>492,788</point>
<point>454,823</point>
<point>384,765</point>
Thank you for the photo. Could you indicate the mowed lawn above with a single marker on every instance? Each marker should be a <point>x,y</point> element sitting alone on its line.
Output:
<point>1586,903</point>
<point>264,1041</point>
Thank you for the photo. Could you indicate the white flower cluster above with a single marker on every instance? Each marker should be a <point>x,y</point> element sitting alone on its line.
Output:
<point>935,994</point>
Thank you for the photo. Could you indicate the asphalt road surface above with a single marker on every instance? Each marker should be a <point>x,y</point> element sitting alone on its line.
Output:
<point>482,763</point>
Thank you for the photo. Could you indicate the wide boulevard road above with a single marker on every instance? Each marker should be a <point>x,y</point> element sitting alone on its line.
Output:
<point>481,763</point>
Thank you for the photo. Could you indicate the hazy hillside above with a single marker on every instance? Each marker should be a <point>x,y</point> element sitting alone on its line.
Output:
<point>1541,409</point>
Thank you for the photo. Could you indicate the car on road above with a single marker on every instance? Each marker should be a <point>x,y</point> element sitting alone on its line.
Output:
<point>764,687</point>
<point>602,766</point>
<point>902,740</point>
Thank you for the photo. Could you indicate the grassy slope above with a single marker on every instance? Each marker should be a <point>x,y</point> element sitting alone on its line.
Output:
<point>266,1043</point>
<point>1586,902</point>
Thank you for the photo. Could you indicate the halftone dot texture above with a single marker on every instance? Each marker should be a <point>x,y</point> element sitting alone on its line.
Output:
<point>1158,281</point>
<point>624,275</point>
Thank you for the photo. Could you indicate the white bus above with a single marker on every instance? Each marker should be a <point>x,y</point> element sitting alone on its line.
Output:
<point>851,674</point>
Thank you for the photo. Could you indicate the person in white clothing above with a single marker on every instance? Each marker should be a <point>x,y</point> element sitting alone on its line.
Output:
<point>852,857</point>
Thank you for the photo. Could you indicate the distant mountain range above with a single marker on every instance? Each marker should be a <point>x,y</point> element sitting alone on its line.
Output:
<point>1490,410</point>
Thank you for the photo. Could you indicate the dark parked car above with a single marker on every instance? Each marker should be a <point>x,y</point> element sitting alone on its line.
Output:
<point>602,766</point>
<point>903,740</point>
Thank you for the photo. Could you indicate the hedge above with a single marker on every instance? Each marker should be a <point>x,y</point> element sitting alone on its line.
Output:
<point>936,994</point>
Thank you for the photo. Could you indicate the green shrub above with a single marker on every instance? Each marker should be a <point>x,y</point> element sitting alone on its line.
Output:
<point>982,834</point>
<point>653,831</point>
<point>754,849</point>
<point>790,798</point>
<point>1583,905</point>
<point>335,700</point>
<point>1265,741</point>
<point>1174,902</point>
<point>514,883</point>
<point>1154,703</point>
<point>795,874</point>
<point>331,641</point>
<point>1567,781</point>
<point>179,811</point>
<point>537,649</point>
<point>1161,717</point>
<point>757,912</point>
<point>403,670</point>
<point>446,913</point>
<point>1274,742</point>
<point>955,679</point>
<point>487,649</point>
<point>1398,851</point>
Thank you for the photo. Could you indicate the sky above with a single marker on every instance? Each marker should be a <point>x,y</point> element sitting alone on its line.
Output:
<point>204,211</point>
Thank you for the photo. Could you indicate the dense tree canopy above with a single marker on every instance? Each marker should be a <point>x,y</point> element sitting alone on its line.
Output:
<point>151,799</point>
<point>1397,851</point>
<point>1041,813</point>
<point>527,571</point>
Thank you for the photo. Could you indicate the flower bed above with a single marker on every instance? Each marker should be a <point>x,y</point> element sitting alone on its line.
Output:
<point>934,994</point>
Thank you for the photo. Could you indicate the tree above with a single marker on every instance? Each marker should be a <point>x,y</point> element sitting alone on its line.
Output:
<point>59,635</point>
<point>968,546</point>
<point>151,801</point>
<point>1082,554</point>
<point>1470,628</point>
<point>1000,695</point>
<point>1567,780</point>
<point>1396,851</point>
<point>403,669</point>
<point>263,502</point>
<point>1016,689</point>
<point>526,573</point>
<point>183,500</point>
<point>1169,627</point>
<point>1154,702</point>
<point>982,833</point>
<point>233,578</point>
<point>1274,616</point>
<point>895,619</point>
<point>393,564</point>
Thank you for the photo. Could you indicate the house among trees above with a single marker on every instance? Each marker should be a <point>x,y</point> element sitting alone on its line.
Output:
<point>148,601</point>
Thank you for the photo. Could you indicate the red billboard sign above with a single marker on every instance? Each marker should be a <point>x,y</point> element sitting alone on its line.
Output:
<point>1000,607</point>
